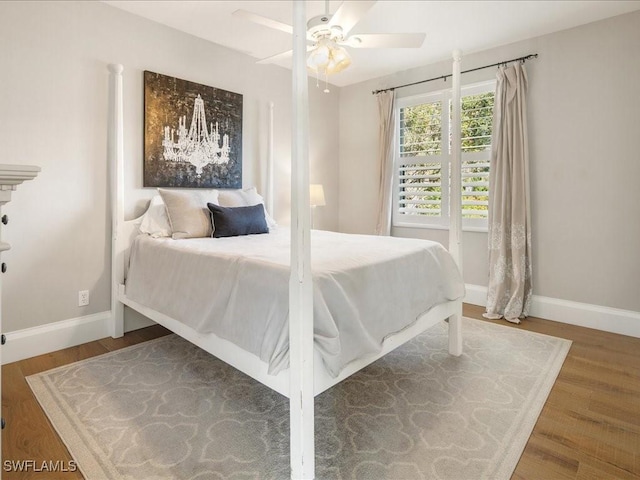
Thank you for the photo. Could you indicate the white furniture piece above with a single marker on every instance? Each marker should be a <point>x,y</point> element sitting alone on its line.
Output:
<point>10,177</point>
<point>303,379</point>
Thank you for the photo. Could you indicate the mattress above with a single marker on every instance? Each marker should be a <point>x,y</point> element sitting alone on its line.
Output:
<point>365,288</point>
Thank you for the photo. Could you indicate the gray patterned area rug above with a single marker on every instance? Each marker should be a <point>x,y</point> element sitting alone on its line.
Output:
<point>165,409</point>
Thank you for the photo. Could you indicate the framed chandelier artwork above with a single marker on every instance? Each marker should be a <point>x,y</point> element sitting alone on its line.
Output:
<point>192,134</point>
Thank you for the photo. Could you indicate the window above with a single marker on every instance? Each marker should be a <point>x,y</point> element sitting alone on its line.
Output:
<point>423,155</point>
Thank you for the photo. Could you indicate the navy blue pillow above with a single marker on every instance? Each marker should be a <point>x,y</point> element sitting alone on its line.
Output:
<point>234,221</point>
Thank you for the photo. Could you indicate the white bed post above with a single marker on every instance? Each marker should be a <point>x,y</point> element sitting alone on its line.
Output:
<point>301,383</point>
<point>455,228</point>
<point>269,174</point>
<point>116,162</point>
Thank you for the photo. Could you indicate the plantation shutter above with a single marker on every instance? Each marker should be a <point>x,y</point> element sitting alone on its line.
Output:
<point>422,162</point>
<point>421,189</point>
<point>476,118</point>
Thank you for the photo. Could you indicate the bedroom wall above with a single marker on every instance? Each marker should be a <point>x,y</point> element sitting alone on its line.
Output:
<point>585,162</point>
<point>54,58</point>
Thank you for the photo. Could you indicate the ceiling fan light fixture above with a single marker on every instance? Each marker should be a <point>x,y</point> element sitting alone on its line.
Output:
<point>328,57</point>
<point>338,60</point>
<point>319,57</point>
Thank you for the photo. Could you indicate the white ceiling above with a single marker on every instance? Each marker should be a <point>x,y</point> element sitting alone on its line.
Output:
<point>467,25</point>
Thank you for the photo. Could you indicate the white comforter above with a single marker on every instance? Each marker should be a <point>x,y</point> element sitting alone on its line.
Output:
<point>365,288</point>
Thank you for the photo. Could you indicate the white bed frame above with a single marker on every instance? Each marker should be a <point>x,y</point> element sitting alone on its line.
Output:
<point>306,376</point>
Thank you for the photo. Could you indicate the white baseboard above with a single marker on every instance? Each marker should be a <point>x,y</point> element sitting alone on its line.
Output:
<point>475,295</point>
<point>614,320</point>
<point>48,338</point>
<point>34,341</point>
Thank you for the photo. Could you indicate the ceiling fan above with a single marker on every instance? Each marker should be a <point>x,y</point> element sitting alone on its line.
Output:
<point>328,34</point>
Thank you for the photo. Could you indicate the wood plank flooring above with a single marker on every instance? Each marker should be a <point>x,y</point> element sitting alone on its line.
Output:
<point>589,428</point>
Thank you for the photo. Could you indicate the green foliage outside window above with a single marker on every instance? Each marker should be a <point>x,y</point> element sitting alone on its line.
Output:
<point>476,123</point>
<point>421,131</point>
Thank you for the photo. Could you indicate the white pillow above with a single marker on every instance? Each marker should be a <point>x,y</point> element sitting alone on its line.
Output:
<point>155,221</point>
<point>188,212</point>
<point>245,198</point>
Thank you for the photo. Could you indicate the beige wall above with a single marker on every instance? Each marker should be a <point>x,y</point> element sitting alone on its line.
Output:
<point>54,57</point>
<point>585,160</point>
<point>53,114</point>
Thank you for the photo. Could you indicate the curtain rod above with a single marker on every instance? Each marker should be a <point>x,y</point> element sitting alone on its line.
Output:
<point>444,77</point>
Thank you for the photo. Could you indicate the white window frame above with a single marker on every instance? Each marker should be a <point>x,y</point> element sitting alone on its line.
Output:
<point>442,221</point>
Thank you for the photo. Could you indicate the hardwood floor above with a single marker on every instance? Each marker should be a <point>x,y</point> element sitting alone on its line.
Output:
<point>589,428</point>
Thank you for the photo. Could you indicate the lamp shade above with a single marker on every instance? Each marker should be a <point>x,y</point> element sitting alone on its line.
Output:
<point>316,195</point>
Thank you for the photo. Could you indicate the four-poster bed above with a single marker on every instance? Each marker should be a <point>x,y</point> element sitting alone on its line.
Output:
<point>306,375</point>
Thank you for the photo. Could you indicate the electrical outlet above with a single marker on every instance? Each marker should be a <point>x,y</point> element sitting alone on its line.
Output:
<point>83,298</point>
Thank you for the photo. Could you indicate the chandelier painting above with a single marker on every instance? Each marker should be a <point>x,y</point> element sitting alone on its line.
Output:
<point>179,153</point>
<point>196,146</point>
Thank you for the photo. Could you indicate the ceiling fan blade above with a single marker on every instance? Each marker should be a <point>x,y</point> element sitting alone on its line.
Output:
<point>281,56</point>
<point>275,58</point>
<point>386,40</point>
<point>267,22</point>
<point>350,13</point>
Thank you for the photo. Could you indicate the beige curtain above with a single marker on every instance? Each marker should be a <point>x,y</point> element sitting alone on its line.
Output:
<point>386,147</point>
<point>509,293</point>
